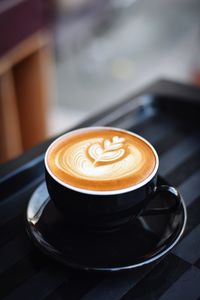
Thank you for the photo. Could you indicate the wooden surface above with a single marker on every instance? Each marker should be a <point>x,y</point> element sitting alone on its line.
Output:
<point>28,46</point>
<point>24,85</point>
<point>11,143</point>
<point>31,90</point>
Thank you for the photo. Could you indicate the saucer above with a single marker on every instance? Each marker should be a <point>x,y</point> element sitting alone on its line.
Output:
<point>147,239</point>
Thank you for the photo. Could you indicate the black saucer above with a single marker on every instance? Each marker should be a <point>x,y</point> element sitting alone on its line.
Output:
<point>146,240</point>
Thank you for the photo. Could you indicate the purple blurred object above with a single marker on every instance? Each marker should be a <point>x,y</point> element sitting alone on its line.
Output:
<point>19,19</point>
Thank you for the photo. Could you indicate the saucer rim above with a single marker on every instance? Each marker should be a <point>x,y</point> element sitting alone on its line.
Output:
<point>31,229</point>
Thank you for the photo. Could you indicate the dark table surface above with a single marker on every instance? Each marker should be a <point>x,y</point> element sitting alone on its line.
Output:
<point>25,273</point>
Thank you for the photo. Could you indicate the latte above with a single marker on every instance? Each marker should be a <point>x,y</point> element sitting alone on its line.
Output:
<point>101,159</point>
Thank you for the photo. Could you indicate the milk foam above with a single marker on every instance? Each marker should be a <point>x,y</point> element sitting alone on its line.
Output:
<point>100,158</point>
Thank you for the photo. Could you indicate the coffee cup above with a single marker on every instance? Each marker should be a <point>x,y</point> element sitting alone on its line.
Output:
<point>101,178</point>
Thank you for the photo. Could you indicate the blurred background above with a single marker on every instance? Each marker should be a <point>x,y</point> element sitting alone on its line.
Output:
<point>64,60</point>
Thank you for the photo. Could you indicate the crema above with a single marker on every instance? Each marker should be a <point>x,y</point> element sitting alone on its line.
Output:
<point>101,159</point>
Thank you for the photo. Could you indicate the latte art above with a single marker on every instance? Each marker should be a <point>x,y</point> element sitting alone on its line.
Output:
<point>99,158</point>
<point>104,160</point>
<point>109,152</point>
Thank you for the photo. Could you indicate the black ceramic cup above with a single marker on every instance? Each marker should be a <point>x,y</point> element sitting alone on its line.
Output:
<point>105,210</point>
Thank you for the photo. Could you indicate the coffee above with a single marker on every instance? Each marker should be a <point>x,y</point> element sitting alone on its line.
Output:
<point>101,159</point>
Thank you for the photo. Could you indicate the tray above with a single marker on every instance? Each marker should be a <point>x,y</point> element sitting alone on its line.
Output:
<point>166,114</point>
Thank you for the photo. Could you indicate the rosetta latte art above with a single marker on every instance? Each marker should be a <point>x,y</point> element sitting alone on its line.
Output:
<point>100,158</point>
<point>108,152</point>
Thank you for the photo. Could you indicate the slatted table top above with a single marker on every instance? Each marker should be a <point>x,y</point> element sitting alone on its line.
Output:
<point>167,115</point>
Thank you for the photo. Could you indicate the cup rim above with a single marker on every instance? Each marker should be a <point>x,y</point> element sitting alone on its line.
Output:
<point>96,192</point>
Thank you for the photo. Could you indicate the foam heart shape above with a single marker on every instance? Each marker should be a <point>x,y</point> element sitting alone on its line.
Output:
<point>98,154</point>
